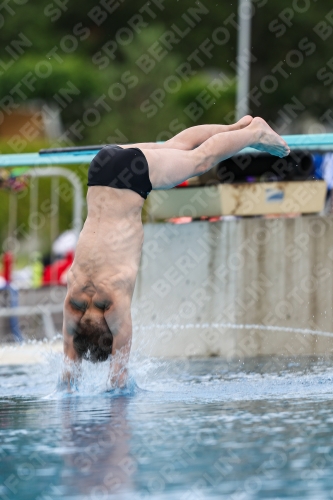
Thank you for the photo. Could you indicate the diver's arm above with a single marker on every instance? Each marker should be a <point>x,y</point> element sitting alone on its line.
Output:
<point>69,351</point>
<point>120,324</point>
<point>71,358</point>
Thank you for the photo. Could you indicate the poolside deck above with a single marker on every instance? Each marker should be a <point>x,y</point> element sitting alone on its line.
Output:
<point>28,354</point>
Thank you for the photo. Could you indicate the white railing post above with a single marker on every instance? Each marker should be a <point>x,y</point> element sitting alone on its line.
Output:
<point>243,57</point>
<point>77,188</point>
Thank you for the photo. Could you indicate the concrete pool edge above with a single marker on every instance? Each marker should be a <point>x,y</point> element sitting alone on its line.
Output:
<point>27,354</point>
<point>38,353</point>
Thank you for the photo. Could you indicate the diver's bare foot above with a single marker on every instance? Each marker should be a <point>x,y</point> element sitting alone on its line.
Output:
<point>242,123</point>
<point>245,121</point>
<point>267,140</point>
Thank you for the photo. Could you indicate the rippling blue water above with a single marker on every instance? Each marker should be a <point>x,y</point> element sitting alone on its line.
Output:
<point>186,430</point>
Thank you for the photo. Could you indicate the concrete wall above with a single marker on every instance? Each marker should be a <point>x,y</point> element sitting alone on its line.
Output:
<point>245,271</point>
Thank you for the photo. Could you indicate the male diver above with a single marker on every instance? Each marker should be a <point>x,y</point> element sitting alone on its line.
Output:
<point>97,308</point>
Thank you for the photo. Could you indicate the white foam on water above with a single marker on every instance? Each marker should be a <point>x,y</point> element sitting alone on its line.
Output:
<point>160,381</point>
<point>159,375</point>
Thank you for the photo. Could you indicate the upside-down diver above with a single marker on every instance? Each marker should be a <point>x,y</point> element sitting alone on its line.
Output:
<point>97,308</point>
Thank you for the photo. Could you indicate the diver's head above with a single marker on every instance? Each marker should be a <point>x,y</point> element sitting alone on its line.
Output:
<point>93,339</point>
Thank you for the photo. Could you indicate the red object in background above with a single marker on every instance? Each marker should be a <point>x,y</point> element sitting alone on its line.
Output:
<point>53,272</point>
<point>182,184</point>
<point>180,220</point>
<point>7,266</point>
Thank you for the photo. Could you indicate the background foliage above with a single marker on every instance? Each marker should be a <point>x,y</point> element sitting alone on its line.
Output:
<point>47,24</point>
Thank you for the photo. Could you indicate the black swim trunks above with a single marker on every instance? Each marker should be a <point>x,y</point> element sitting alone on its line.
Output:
<point>120,168</point>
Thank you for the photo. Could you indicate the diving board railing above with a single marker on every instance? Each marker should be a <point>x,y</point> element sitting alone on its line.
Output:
<point>45,311</point>
<point>78,156</point>
<point>77,191</point>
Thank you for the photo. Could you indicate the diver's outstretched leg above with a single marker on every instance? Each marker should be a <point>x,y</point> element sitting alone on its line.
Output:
<point>169,167</point>
<point>193,137</point>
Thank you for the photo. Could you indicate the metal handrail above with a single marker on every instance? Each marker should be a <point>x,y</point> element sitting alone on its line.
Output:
<point>57,171</point>
<point>45,311</point>
<point>7,312</point>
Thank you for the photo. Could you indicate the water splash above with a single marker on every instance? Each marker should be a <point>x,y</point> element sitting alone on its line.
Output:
<point>146,373</point>
<point>234,326</point>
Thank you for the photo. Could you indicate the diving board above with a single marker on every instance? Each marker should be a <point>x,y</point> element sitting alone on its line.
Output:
<point>310,142</point>
<point>36,160</point>
<point>303,142</point>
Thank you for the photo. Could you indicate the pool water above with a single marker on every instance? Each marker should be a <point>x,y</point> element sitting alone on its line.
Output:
<point>184,430</point>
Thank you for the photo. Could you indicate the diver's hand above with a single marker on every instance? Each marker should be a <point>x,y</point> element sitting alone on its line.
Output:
<point>67,384</point>
<point>70,376</point>
<point>118,376</point>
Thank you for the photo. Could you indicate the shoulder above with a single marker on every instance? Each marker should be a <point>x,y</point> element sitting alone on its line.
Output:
<point>119,313</point>
<point>119,321</point>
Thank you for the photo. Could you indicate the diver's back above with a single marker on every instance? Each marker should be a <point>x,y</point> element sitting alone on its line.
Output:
<point>110,243</point>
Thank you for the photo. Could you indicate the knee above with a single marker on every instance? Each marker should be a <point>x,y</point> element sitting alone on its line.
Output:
<point>203,168</point>
<point>176,144</point>
<point>201,162</point>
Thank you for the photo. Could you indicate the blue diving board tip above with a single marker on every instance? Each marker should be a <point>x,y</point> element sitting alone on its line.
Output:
<point>78,156</point>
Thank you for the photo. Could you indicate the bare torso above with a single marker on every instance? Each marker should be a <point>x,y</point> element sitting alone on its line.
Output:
<point>109,248</point>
